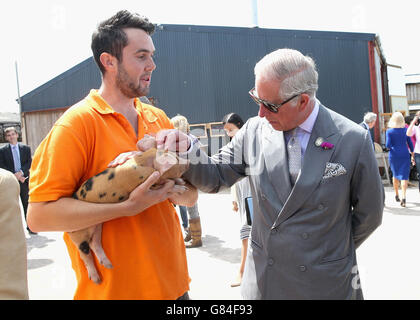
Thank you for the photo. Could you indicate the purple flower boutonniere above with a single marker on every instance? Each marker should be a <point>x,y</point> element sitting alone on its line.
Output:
<point>319,142</point>
<point>327,145</point>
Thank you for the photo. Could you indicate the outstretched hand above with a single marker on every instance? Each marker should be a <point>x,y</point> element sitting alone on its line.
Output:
<point>173,140</point>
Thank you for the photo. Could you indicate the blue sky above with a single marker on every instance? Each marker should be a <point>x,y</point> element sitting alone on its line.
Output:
<point>48,37</point>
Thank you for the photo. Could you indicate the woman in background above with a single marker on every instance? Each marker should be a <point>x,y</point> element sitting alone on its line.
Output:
<point>240,191</point>
<point>399,154</point>
<point>413,131</point>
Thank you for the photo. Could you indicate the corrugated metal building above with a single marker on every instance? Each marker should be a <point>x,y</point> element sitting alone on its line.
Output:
<point>205,72</point>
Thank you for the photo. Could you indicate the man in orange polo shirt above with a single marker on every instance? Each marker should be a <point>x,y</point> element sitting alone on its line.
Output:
<point>142,235</point>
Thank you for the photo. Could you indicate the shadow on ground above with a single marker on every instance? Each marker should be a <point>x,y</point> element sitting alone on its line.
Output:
<point>38,242</point>
<point>410,210</point>
<point>214,247</point>
<point>38,263</point>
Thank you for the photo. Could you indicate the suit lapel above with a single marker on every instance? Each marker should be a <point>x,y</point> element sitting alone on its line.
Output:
<point>22,154</point>
<point>314,163</point>
<point>9,157</point>
<point>273,148</point>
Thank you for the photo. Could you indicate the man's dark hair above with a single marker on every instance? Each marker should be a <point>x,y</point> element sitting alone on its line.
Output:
<point>110,37</point>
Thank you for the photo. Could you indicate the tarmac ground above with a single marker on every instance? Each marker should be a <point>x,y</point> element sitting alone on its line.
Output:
<point>388,261</point>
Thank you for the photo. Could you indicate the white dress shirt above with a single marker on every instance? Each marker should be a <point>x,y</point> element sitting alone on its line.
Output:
<point>16,157</point>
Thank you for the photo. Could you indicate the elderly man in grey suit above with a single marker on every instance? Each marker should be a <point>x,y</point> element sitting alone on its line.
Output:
<point>314,179</point>
<point>369,121</point>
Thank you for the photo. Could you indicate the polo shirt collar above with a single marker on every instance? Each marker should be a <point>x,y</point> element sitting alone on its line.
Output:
<point>100,105</point>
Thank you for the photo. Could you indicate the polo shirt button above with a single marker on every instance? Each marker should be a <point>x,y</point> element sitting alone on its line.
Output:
<point>302,268</point>
<point>305,236</point>
<point>270,261</point>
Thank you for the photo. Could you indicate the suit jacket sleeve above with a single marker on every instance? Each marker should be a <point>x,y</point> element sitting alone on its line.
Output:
<point>222,170</point>
<point>26,160</point>
<point>367,194</point>
<point>2,159</point>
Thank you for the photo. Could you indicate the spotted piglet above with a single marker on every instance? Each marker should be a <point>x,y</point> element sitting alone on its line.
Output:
<point>115,185</point>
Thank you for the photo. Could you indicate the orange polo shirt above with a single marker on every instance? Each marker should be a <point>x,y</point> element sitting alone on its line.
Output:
<point>147,250</point>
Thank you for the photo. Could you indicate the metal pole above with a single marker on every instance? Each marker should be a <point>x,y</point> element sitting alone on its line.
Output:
<point>18,90</point>
<point>254,13</point>
<point>22,126</point>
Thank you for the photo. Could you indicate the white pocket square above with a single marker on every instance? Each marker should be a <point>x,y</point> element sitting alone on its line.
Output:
<point>333,170</point>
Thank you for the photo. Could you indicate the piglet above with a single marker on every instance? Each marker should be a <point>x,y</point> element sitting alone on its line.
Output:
<point>115,185</point>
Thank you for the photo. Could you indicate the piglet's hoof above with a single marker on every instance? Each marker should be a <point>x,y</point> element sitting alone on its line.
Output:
<point>106,263</point>
<point>95,278</point>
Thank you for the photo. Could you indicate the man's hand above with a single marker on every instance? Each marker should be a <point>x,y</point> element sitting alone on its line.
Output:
<point>235,206</point>
<point>173,140</point>
<point>122,158</point>
<point>20,177</point>
<point>144,196</point>
<point>187,198</point>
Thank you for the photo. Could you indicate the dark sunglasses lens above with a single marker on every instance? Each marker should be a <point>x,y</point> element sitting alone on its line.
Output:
<point>259,102</point>
<point>270,108</point>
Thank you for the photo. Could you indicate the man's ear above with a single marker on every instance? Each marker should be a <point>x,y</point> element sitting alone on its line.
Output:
<point>304,101</point>
<point>108,61</point>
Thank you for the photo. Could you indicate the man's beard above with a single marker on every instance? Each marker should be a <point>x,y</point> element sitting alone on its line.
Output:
<point>128,87</point>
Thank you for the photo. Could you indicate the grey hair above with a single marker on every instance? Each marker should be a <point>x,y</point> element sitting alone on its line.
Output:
<point>369,117</point>
<point>296,72</point>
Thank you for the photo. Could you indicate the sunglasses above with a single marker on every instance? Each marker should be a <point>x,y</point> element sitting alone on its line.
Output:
<point>268,105</point>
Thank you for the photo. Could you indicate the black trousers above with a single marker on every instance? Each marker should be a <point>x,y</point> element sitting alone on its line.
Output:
<point>24,195</point>
<point>185,296</point>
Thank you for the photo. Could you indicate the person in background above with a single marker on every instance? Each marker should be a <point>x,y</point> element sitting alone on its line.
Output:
<point>399,155</point>
<point>413,131</point>
<point>241,190</point>
<point>413,168</point>
<point>408,120</point>
<point>193,230</point>
<point>13,256</point>
<point>369,121</point>
<point>16,158</point>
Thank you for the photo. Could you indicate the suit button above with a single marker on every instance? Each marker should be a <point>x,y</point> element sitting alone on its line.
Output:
<point>305,236</point>
<point>320,207</point>
<point>273,231</point>
<point>302,268</point>
<point>270,261</point>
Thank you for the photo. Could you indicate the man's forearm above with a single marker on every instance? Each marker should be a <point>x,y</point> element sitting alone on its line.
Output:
<point>68,214</point>
<point>410,129</point>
